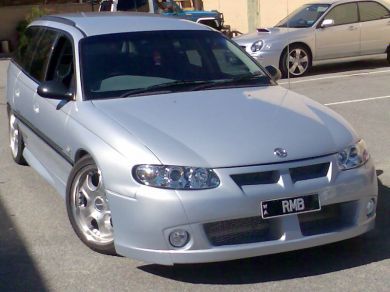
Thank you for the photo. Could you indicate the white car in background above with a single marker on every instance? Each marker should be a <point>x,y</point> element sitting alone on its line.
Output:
<point>323,31</point>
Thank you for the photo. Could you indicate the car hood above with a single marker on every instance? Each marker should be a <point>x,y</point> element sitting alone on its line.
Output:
<point>230,127</point>
<point>268,33</point>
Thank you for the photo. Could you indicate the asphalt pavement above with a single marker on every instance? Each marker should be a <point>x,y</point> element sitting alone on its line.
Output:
<point>40,252</point>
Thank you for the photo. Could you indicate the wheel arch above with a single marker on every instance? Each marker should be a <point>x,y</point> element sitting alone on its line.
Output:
<point>8,109</point>
<point>80,153</point>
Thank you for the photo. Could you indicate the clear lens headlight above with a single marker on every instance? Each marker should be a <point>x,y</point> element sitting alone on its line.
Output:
<point>353,156</point>
<point>257,46</point>
<point>176,177</point>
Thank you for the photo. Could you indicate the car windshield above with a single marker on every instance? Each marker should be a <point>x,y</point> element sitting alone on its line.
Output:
<point>139,63</point>
<point>305,16</point>
<point>133,5</point>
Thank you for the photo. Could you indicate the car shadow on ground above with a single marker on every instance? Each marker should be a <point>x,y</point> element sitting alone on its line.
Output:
<point>17,269</point>
<point>371,247</point>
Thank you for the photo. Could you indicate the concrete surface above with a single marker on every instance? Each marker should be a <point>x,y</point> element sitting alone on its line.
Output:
<point>40,252</point>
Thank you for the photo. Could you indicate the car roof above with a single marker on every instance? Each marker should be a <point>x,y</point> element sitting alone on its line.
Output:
<point>98,23</point>
<point>346,1</point>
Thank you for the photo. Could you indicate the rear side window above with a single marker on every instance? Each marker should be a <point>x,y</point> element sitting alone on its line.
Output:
<point>42,54</point>
<point>344,14</point>
<point>372,11</point>
<point>133,5</point>
<point>27,46</point>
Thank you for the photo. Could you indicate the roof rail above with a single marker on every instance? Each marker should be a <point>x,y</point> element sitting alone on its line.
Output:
<point>62,20</point>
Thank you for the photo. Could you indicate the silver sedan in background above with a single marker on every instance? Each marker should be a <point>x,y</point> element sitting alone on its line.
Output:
<point>325,31</point>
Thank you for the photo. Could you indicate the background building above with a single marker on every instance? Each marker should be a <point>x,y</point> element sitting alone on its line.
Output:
<point>247,15</point>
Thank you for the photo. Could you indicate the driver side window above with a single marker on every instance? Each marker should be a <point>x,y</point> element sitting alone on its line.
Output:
<point>344,14</point>
<point>61,67</point>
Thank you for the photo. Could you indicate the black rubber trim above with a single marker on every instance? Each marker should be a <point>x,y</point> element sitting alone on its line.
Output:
<point>43,137</point>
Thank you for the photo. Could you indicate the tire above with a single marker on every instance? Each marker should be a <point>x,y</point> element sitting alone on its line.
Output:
<point>388,55</point>
<point>299,63</point>
<point>15,139</point>
<point>87,207</point>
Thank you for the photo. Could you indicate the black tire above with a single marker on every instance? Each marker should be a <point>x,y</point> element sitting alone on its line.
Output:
<point>15,139</point>
<point>84,172</point>
<point>388,55</point>
<point>304,60</point>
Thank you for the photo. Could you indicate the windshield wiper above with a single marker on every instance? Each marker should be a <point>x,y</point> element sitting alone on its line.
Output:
<point>236,80</point>
<point>168,86</point>
<point>192,85</point>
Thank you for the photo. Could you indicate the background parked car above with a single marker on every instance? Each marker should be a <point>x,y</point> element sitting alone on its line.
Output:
<point>213,18</point>
<point>322,32</point>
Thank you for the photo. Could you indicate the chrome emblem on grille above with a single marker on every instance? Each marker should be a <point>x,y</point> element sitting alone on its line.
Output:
<point>280,152</point>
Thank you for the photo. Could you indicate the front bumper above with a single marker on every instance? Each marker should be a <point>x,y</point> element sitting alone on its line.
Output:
<point>225,223</point>
<point>263,57</point>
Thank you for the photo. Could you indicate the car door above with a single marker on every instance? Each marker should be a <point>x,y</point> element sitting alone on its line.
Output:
<point>52,115</point>
<point>26,84</point>
<point>375,27</point>
<point>342,39</point>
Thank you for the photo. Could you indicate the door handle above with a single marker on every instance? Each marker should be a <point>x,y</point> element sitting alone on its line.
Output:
<point>351,28</point>
<point>17,92</point>
<point>36,108</point>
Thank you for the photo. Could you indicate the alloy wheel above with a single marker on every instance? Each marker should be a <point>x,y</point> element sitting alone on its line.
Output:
<point>14,136</point>
<point>90,207</point>
<point>298,62</point>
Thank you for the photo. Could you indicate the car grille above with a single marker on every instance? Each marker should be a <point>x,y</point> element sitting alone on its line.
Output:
<point>272,177</point>
<point>331,218</point>
<point>239,231</point>
<point>309,172</point>
<point>256,178</point>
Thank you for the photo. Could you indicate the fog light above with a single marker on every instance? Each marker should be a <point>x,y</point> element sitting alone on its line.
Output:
<point>370,209</point>
<point>179,238</point>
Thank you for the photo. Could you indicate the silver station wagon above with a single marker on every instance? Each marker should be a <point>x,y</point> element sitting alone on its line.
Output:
<point>169,144</point>
<point>322,32</point>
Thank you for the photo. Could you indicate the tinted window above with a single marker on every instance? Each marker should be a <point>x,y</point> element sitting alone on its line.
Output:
<point>61,67</point>
<point>106,6</point>
<point>42,54</point>
<point>305,16</point>
<point>133,5</point>
<point>372,11</point>
<point>139,60</point>
<point>27,46</point>
<point>344,14</point>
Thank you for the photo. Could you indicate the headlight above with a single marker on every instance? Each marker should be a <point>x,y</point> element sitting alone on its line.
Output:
<point>257,46</point>
<point>176,177</point>
<point>353,156</point>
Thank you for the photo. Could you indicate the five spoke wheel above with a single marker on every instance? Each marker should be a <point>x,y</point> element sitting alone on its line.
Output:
<point>296,61</point>
<point>88,207</point>
<point>15,140</point>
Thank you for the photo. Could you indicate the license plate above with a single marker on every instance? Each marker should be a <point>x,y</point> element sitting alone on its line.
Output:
<point>287,206</point>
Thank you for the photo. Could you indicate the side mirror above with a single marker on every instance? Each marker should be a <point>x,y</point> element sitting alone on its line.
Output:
<point>54,90</point>
<point>327,23</point>
<point>274,72</point>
